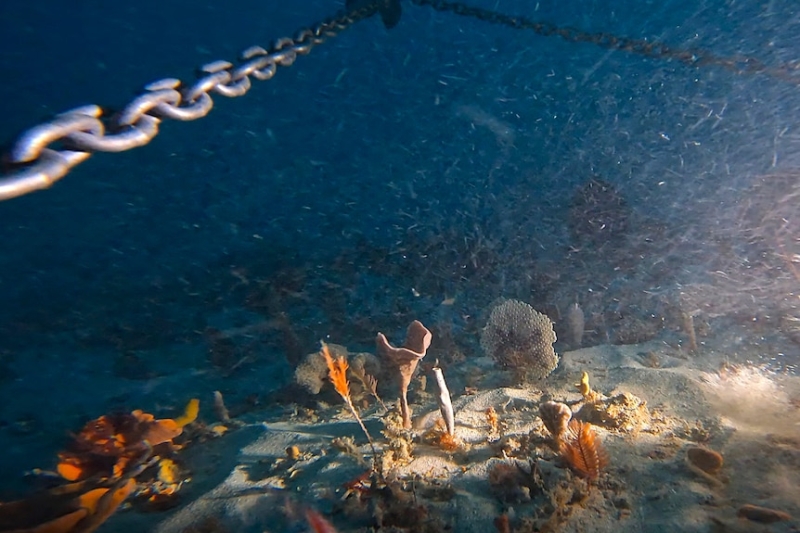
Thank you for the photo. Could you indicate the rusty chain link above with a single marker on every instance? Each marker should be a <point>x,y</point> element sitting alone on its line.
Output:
<point>692,57</point>
<point>80,132</point>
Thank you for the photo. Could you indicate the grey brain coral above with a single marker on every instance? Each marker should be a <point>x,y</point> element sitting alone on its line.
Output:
<point>312,372</point>
<point>520,338</point>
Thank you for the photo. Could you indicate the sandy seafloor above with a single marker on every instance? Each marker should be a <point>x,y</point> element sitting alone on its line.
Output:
<point>243,481</point>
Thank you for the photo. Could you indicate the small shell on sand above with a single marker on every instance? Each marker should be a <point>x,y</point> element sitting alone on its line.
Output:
<point>293,452</point>
<point>556,417</point>
<point>704,459</point>
<point>763,515</point>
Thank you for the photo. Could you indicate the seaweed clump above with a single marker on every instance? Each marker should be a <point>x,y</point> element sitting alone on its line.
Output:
<point>520,339</point>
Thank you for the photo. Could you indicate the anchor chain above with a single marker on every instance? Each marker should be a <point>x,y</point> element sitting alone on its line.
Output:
<point>35,164</point>
<point>789,72</point>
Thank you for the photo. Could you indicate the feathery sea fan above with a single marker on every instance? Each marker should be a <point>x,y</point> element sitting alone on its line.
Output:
<point>583,451</point>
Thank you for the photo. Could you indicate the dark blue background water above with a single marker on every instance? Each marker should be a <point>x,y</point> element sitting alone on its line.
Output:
<point>364,185</point>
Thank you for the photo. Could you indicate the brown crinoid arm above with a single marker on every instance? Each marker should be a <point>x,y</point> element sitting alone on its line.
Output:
<point>583,451</point>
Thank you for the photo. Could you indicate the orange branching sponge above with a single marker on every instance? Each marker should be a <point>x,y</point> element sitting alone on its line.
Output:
<point>448,442</point>
<point>190,413</point>
<point>337,372</point>
<point>439,436</point>
<point>106,445</point>
<point>582,450</point>
<point>493,421</point>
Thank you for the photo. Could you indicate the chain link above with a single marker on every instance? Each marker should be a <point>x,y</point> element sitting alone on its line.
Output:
<point>80,132</point>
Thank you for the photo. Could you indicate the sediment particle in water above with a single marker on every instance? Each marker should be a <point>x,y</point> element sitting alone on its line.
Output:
<point>763,515</point>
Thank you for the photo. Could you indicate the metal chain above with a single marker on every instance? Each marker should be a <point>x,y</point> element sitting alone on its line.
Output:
<point>80,132</point>
<point>692,57</point>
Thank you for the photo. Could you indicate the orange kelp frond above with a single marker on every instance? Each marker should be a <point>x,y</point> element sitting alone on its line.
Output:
<point>189,414</point>
<point>337,371</point>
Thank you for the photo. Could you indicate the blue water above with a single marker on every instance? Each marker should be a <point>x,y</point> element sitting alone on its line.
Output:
<point>382,174</point>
